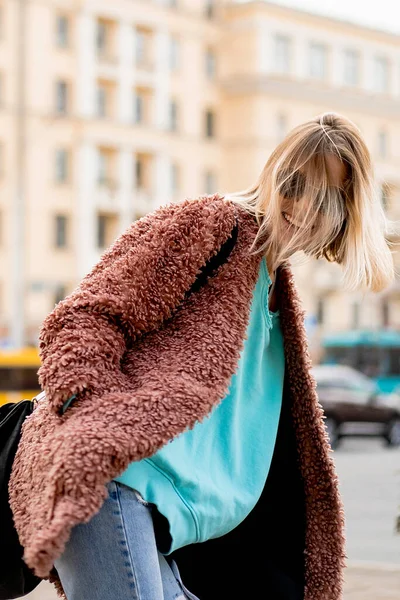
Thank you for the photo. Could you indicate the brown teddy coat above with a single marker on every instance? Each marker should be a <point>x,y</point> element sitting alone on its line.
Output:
<point>147,360</point>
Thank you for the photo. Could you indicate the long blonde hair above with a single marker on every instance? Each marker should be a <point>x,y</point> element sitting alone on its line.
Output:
<point>345,224</point>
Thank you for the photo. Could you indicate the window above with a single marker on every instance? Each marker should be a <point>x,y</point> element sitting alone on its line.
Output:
<point>61,222</point>
<point>173,115</point>
<point>318,60</point>
<point>370,360</point>
<point>142,105</point>
<point>352,383</point>
<point>385,314</point>
<point>174,54</point>
<point>382,144</point>
<point>210,182</point>
<point>140,40</point>
<point>106,158</point>
<point>320,311</point>
<point>281,126</point>
<point>101,231</point>
<point>385,195</point>
<point>101,100</point>
<point>18,378</point>
<point>138,108</point>
<point>143,47</point>
<point>102,168</point>
<point>107,167</point>
<point>61,165</point>
<point>210,124</point>
<point>105,38</point>
<point>381,74</point>
<point>101,37</point>
<point>210,9</point>
<point>282,53</point>
<point>106,230</point>
<point>139,172</point>
<point>392,363</point>
<point>1,22</point>
<point>105,94</point>
<point>351,67</point>
<point>59,293</point>
<point>62,31</point>
<point>143,163</point>
<point>61,97</point>
<point>2,158</point>
<point>355,315</point>
<point>211,64</point>
<point>175,178</point>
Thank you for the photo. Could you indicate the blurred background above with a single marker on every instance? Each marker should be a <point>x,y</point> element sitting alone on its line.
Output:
<point>111,109</point>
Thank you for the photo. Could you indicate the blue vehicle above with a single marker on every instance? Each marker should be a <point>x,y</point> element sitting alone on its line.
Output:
<point>374,353</point>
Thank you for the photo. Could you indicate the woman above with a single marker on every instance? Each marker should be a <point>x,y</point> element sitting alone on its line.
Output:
<point>180,445</point>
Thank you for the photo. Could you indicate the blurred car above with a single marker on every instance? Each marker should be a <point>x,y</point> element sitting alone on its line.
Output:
<point>353,406</point>
<point>393,398</point>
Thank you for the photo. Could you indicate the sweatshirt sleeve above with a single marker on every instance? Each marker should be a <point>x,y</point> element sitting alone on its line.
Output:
<point>138,282</point>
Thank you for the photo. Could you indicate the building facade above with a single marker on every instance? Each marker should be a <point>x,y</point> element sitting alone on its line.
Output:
<point>108,110</point>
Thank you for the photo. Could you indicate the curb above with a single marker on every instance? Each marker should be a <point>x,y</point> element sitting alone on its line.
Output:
<point>373,566</point>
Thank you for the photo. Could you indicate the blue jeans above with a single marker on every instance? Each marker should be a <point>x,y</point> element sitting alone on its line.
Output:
<point>114,556</point>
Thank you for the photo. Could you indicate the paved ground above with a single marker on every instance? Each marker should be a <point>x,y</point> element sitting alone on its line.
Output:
<point>368,582</point>
<point>44,591</point>
<point>369,477</point>
<point>362,583</point>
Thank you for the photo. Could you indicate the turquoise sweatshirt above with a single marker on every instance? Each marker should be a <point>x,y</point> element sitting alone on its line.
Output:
<point>208,479</point>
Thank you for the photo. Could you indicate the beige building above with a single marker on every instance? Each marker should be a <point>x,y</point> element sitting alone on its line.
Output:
<point>279,67</point>
<point>108,110</point>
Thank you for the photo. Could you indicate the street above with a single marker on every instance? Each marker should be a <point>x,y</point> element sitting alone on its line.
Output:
<point>369,476</point>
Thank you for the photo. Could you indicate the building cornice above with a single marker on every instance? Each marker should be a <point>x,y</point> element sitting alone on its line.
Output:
<point>312,91</point>
<point>317,18</point>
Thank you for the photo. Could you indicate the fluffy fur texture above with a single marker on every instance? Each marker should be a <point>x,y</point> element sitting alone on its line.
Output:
<point>147,362</point>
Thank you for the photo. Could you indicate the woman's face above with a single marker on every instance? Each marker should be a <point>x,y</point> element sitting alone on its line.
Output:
<point>295,204</point>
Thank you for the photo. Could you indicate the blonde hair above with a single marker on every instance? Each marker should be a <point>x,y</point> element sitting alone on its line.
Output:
<point>343,224</point>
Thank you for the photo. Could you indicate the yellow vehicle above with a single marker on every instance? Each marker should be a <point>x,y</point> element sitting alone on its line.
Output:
<point>18,374</point>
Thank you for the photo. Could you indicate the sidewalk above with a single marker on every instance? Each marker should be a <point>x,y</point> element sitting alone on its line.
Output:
<point>372,581</point>
<point>364,581</point>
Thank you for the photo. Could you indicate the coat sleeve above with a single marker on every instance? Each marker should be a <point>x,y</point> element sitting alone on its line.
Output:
<point>138,282</point>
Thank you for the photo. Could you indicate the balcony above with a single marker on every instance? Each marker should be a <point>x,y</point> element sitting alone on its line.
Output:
<point>106,41</point>
<point>144,50</point>
<point>107,195</point>
<point>142,202</point>
<point>107,63</point>
<point>104,55</point>
<point>144,63</point>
